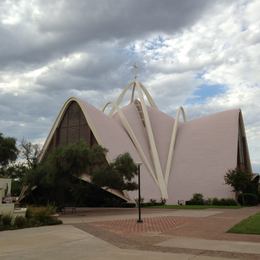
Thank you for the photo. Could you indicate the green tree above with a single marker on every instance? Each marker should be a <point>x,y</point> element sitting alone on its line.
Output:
<point>16,172</point>
<point>8,151</point>
<point>239,180</point>
<point>56,175</point>
<point>29,152</point>
<point>117,175</point>
<point>53,175</point>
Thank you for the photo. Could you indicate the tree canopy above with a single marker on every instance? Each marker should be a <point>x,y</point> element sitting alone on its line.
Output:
<point>117,175</point>
<point>238,180</point>
<point>29,152</point>
<point>57,174</point>
<point>8,150</point>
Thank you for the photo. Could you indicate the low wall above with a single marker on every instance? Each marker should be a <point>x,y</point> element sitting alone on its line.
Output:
<point>7,209</point>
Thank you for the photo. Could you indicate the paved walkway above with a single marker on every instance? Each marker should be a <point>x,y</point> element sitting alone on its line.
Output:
<point>214,245</point>
<point>67,242</point>
<point>114,234</point>
<point>102,214</point>
<point>193,228</point>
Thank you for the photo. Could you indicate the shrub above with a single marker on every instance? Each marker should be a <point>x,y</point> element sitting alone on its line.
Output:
<point>224,202</point>
<point>6,220</point>
<point>20,221</point>
<point>35,212</point>
<point>40,214</point>
<point>250,199</point>
<point>163,201</point>
<point>128,205</point>
<point>197,199</point>
<point>141,201</point>
<point>53,221</point>
<point>208,201</point>
<point>33,222</point>
<point>153,202</point>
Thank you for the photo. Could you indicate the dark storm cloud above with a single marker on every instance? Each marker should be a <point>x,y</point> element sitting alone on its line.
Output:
<point>61,27</point>
<point>42,33</point>
<point>98,67</point>
<point>105,20</point>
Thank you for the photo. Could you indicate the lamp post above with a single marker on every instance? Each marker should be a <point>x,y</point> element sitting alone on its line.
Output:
<point>139,194</point>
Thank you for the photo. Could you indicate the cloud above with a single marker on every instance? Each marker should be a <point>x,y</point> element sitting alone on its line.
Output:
<point>51,50</point>
<point>39,31</point>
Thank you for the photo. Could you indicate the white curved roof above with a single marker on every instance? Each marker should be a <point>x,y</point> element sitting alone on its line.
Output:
<point>206,149</point>
<point>179,158</point>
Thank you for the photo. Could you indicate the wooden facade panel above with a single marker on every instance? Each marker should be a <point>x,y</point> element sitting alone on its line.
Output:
<point>64,121</point>
<point>62,133</point>
<point>85,133</point>
<point>74,115</point>
<point>82,119</point>
<point>73,134</point>
<point>73,128</point>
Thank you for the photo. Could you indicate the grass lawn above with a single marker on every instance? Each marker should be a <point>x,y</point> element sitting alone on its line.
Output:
<point>195,207</point>
<point>249,225</point>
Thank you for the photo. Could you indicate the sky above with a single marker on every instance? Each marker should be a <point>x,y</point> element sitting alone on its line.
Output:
<point>203,55</point>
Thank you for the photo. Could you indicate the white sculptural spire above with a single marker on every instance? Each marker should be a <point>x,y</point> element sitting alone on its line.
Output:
<point>135,69</point>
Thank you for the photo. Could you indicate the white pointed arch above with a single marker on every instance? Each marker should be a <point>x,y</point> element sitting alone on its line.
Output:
<point>180,111</point>
<point>161,178</point>
<point>154,152</point>
<point>136,143</point>
<point>155,170</point>
<point>58,120</point>
<point>92,127</point>
<point>107,106</point>
<point>133,85</point>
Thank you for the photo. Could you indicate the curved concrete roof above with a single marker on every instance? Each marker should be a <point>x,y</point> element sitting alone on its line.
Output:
<point>196,153</point>
<point>206,149</point>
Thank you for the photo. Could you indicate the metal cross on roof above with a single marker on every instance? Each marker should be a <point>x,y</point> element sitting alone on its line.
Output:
<point>135,71</point>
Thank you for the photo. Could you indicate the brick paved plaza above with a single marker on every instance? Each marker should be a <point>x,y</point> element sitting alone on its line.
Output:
<point>119,227</point>
<point>114,234</point>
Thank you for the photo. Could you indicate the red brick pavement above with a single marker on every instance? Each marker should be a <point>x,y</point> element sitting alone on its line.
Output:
<point>152,224</point>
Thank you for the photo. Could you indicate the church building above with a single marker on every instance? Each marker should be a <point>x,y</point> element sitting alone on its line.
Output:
<point>179,157</point>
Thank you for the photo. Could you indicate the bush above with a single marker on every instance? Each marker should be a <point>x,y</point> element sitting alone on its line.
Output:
<point>128,205</point>
<point>38,212</point>
<point>6,220</point>
<point>163,201</point>
<point>250,199</point>
<point>153,202</point>
<point>224,202</point>
<point>53,221</point>
<point>35,217</point>
<point>20,221</point>
<point>33,223</point>
<point>40,215</point>
<point>208,201</point>
<point>197,199</point>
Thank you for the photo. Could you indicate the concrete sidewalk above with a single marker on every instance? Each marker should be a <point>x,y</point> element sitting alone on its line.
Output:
<point>213,245</point>
<point>166,234</point>
<point>67,242</point>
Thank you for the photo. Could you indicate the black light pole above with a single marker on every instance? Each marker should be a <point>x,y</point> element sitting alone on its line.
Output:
<point>139,194</point>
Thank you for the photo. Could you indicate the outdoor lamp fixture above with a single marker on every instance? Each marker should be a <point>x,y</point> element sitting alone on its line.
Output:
<point>139,193</point>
